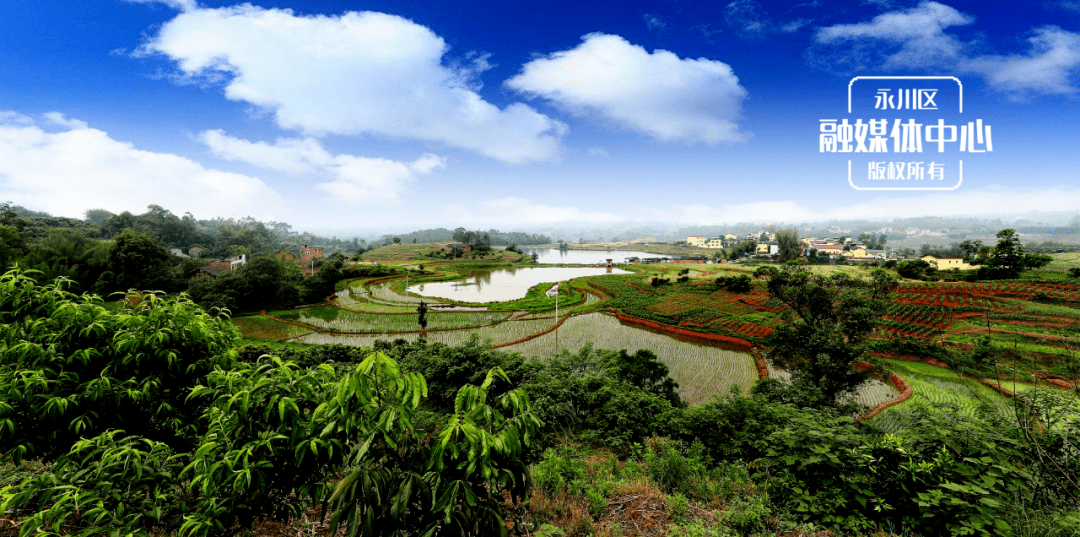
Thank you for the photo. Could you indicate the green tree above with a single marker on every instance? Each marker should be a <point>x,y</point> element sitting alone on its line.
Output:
<point>97,216</point>
<point>1009,259</point>
<point>834,317</point>
<point>789,246</point>
<point>421,319</point>
<point>11,246</point>
<point>972,250</point>
<point>138,261</point>
<point>914,269</point>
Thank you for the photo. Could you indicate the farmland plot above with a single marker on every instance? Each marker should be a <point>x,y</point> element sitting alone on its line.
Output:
<point>940,390</point>
<point>504,332</point>
<point>383,293</point>
<point>701,371</point>
<point>365,322</point>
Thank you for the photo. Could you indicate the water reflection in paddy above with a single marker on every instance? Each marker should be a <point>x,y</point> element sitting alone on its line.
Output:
<point>586,257</point>
<point>497,285</point>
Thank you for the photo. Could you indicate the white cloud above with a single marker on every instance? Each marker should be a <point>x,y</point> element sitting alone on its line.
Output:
<point>654,22</point>
<point>69,171</point>
<point>1050,67</point>
<point>523,212</point>
<point>657,94</point>
<point>356,180</point>
<point>351,74</point>
<point>598,152</point>
<point>915,38</point>
<point>57,118</point>
<point>748,19</point>
<point>182,5</point>
<point>8,117</point>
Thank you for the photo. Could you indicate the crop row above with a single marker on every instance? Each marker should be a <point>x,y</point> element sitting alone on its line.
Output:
<point>504,332</point>
<point>385,293</point>
<point>368,322</point>
<point>737,327</point>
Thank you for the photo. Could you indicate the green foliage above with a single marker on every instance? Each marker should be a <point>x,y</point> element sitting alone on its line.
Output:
<point>11,246</point>
<point>643,370</point>
<point>138,261</point>
<point>947,477</point>
<point>789,246</point>
<point>72,369</point>
<point>403,486</point>
<point>114,483</point>
<point>735,284</point>
<point>152,424</point>
<point>747,515</point>
<point>557,469</point>
<point>914,269</point>
<point>835,317</point>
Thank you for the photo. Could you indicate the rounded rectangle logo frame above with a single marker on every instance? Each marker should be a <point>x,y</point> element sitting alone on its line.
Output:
<point>960,180</point>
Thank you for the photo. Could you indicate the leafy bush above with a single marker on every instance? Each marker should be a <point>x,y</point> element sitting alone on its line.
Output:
<point>210,444</point>
<point>72,369</point>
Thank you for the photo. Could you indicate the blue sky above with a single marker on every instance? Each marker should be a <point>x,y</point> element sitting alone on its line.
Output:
<point>351,114</point>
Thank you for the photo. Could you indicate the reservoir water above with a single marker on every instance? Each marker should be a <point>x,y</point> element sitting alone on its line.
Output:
<point>503,284</point>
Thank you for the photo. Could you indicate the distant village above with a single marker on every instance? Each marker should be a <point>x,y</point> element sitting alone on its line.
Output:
<point>303,255</point>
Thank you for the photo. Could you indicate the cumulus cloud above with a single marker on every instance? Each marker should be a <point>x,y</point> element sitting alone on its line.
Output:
<point>522,211</point>
<point>57,118</point>
<point>356,180</point>
<point>67,171</point>
<point>916,39</point>
<point>657,94</point>
<point>355,73</point>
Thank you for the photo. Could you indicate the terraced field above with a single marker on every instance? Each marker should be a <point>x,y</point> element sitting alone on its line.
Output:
<point>1033,321</point>
<point>407,322</point>
<point>941,390</point>
<point>499,334</point>
<point>701,371</point>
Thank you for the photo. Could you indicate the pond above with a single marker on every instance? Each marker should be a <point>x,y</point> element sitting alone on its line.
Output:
<point>585,257</point>
<point>498,285</point>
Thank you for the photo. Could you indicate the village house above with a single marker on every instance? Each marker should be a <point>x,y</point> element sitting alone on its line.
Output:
<point>696,240</point>
<point>213,269</point>
<point>308,253</point>
<point>688,259</point>
<point>947,263</point>
<point>828,249</point>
